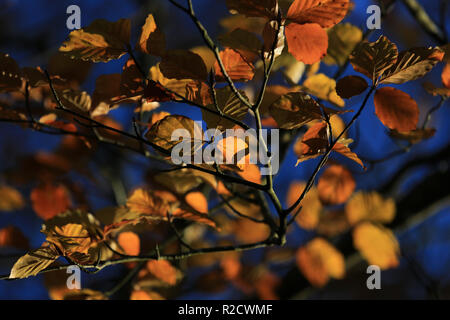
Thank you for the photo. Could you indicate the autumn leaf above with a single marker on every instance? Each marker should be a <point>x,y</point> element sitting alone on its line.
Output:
<point>351,86</point>
<point>307,42</point>
<point>161,132</point>
<point>373,58</point>
<point>129,242</point>
<point>247,231</point>
<point>161,82</point>
<point>34,262</point>
<point>324,88</point>
<point>10,74</point>
<point>377,245</point>
<point>342,40</point>
<point>101,41</point>
<point>414,136</point>
<point>274,39</point>
<point>308,218</point>
<point>325,13</point>
<point>237,68</point>
<point>411,65</point>
<point>396,109</point>
<point>145,295</point>
<point>319,261</point>
<point>84,294</point>
<point>293,110</point>
<point>335,185</point>
<point>49,199</point>
<point>131,83</point>
<point>230,105</point>
<point>78,101</point>
<point>197,201</point>
<point>11,236</point>
<point>370,206</point>
<point>152,39</point>
<point>74,70</point>
<point>183,64</point>
<point>245,42</point>
<point>163,271</point>
<point>10,199</point>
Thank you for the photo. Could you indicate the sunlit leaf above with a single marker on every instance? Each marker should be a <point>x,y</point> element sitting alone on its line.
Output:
<point>377,245</point>
<point>308,217</point>
<point>50,199</point>
<point>335,185</point>
<point>164,271</point>
<point>10,198</point>
<point>129,242</point>
<point>370,206</point>
<point>308,43</point>
<point>237,68</point>
<point>324,88</point>
<point>152,39</point>
<point>325,13</point>
<point>396,109</point>
<point>34,262</point>
<point>342,40</point>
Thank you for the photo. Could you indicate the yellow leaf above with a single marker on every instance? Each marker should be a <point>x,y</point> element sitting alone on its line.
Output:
<point>10,199</point>
<point>308,218</point>
<point>342,39</point>
<point>34,262</point>
<point>323,87</point>
<point>377,245</point>
<point>152,40</point>
<point>370,206</point>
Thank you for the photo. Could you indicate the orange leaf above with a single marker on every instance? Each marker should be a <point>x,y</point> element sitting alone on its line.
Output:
<point>307,42</point>
<point>325,13</point>
<point>319,261</point>
<point>309,216</point>
<point>369,206</point>
<point>152,40</point>
<point>48,200</point>
<point>446,76</point>
<point>163,270</point>
<point>237,68</point>
<point>396,109</point>
<point>130,243</point>
<point>197,201</point>
<point>336,185</point>
<point>145,295</point>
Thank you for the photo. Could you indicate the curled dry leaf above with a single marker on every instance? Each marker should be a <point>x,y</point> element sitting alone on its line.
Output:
<point>377,245</point>
<point>319,261</point>
<point>101,41</point>
<point>370,206</point>
<point>351,86</point>
<point>309,216</point>
<point>336,185</point>
<point>396,109</point>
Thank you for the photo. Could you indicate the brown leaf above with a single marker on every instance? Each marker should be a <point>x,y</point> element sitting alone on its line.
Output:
<point>396,109</point>
<point>351,86</point>
<point>411,65</point>
<point>152,40</point>
<point>373,58</point>
<point>325,13</point>
<point>336,185</point>
<point>101,41</point>
<point>237,68</point>
<point>183,64</point>
<point>307,42</point>
<point>243,41</point>
<point>414,136</point>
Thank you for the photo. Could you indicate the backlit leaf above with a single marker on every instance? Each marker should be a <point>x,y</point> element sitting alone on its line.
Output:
<point>129,242</point>
<point>326,13</point>
<point>324,88</point>
<point>34,262</point>
<point>49,199</point>
<point>308,217</point>
<point>396,109</point>
<point>164,271</point>
<point>377,245</point>
<point>370,206</point>
<point>237,68</point>
<point>373,58</point>
<point>308,43</point>
<point>342,40</point>
<point>101,41</point>
<point>10,198</point>
<point>319,261</point>
<point>335,185</point>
